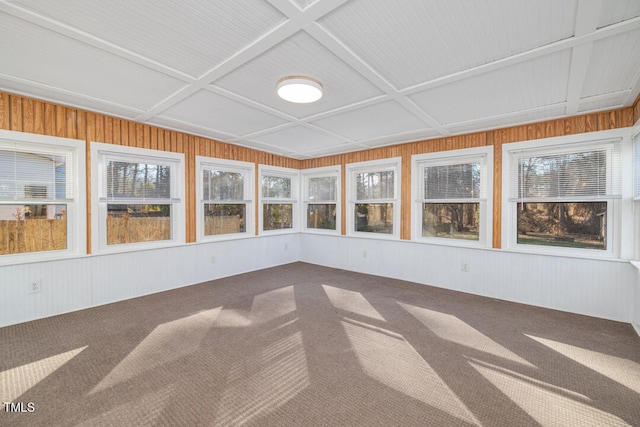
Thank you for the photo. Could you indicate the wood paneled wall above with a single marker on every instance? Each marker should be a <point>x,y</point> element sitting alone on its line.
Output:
<point>24,114</point>
<point>579,124</point>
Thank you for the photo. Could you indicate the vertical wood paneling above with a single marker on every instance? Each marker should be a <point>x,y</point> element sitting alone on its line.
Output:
<point>190,165</point>
<point>88,176</point>
<point>16,114</point>
<point>5,115</point>
<point>38,117</point>
<point>29,115</point>
<point>130,136</point>
<point>49,119</point>
<point>108,130</point>
<point>60,125</point>
<point>497,191</point>
<point>405,195</point>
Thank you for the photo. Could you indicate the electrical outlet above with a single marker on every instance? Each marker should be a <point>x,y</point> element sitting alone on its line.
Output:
<point>35,287</point>
<point>286,246</point>
<point>213,259</point>
<point>364,254</point>
<point>465,267</point>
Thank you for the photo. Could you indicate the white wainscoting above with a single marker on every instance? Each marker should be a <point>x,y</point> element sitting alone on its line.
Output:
<point>635,321</point>
<point>598,288</point>
<point>605,289</point>
<point>79,283</point>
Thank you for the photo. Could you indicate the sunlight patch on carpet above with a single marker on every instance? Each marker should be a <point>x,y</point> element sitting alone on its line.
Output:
<point>273,304</point>
<point>263,381</point>
<point>450,328</point>
<point>353,302</point>
<point>17,381</point>
<point>548,405</point>
<point>392,361</point>
<point>154,405</point>
<point>166,343</point>
<point>622,371</point>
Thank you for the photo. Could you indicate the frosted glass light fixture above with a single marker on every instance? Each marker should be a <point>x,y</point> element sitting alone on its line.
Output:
<point>298,89</point>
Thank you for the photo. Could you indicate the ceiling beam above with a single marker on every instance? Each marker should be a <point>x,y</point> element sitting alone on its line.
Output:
<point>587,17</point>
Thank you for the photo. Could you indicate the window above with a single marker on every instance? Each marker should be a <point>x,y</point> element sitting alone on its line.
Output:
<point>636,192</point>
<point>322,199</point>
<point>278,197</point>
<point>636,166</point>
<point>452,194</point>
<point>138,197</point>
<point>373,190</point>
<point>563,196</point>
<point>42,214</point>
<point>225,190</point>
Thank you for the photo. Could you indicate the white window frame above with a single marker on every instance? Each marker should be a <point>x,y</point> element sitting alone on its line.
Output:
<point>294,175</point>
<point>483,155</point>
<point>248,171</point>
<point>636,193</point>
<point>99,205</point>
<point>352,169</point>
<point>329,171</point>
<point>76,207</point>
<point>617,215</point>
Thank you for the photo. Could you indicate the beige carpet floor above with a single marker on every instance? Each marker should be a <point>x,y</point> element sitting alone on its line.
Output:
<point>303,345</point>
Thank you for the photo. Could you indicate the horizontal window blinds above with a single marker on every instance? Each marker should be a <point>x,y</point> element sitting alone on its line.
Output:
<point>375,185</point>
<point>36,175</point>
<point>458,179</point>
<point>455,181</point>
<point>581,173</point>
<point>636,166</point>
<point>221,185</point>
<point>134,180</point>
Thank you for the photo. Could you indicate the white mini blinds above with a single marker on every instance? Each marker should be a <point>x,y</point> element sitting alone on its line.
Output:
<point>35,173</point>
<point>636,166</point>
<point>571,173</point>
<point>459,180</point>
<point>129,179</point>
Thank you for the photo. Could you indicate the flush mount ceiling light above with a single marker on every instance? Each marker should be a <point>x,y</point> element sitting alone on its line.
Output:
<point>298,89</point>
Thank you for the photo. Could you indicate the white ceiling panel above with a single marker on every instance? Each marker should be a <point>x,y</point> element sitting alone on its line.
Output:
<point>213,111</point>
<point>392,72</point>
<point>393,139</point>
<point>48,93</point>
<point>598,103</point>
<point>357,124</point>
<point>300,55</point>
<point>189,36</point>
<point>614,64</point>
<point>299,139</point>
<point>423,40</point>
<point>614,11</point>
<point>47,58</point>
<point>527,85</point>
<point>513,119</point>
<point>302,3</point>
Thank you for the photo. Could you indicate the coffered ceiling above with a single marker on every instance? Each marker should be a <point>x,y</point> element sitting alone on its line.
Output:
<point>392,72</point>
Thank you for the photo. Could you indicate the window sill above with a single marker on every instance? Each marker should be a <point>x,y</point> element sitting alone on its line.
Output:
<point>435,241</point>
<point>564,254</point>
<point>136,247</point>
<point>636,264</point>
<point>36,258</point>
<point>277,232</point>
<point>224,237</point>
<point>375,236</point>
